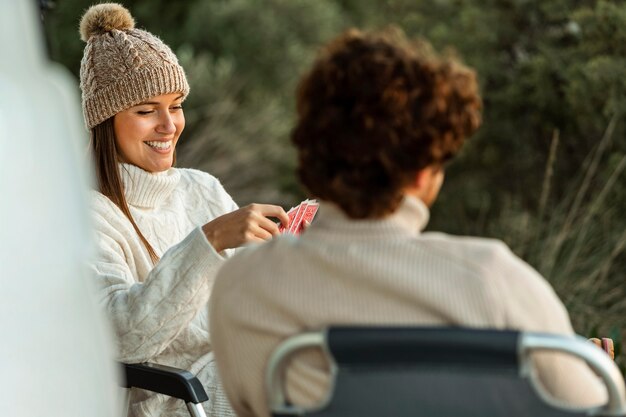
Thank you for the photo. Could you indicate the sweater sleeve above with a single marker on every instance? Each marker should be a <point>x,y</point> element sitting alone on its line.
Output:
<point>530,304</point>
<point>148,316</point>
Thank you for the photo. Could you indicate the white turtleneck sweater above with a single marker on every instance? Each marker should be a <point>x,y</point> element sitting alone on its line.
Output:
<point>159,312</point>
<point>376,272</point>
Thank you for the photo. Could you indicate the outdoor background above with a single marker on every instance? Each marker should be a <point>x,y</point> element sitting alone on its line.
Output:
<point>545,173</point>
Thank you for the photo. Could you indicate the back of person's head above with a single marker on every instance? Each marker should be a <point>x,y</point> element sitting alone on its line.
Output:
<point>374,110</point>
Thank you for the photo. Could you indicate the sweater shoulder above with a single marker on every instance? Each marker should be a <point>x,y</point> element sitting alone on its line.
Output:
<point>194,180</point>
<point>448,239</point>
<point>479,251</point>
<point>191,176</point>
<point>108,219</point>
<point>102,206</point>
<point>491,262</point>
<point>489,254</point>
<point>523,290</point>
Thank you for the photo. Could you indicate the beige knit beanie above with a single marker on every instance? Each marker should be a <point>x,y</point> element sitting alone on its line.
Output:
<point>122,66</point>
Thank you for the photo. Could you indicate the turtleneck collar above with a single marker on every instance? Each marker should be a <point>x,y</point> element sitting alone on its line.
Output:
<point>411,217</point>
<point>146,189</point>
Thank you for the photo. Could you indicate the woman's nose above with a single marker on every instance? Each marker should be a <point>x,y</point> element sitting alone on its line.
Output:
<point>166,124</point>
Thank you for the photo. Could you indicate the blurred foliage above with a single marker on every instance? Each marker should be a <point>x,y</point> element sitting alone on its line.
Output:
<point>545,173</point>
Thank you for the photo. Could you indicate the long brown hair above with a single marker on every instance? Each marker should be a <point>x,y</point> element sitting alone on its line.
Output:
<point>109,181</point>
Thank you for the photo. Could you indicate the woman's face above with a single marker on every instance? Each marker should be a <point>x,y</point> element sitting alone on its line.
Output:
<point>146,134</point>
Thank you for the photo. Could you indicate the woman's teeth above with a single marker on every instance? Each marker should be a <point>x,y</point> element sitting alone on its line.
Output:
<point>160,145</point>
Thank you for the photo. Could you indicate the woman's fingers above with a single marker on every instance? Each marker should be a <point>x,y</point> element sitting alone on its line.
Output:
<point>247,224</point>
<point>269,226</point>
<point>257,231</point>
<point>270,210</point>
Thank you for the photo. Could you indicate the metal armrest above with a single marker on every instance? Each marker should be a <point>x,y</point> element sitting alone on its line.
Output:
<point>174,382</point>
<point>362,358</point>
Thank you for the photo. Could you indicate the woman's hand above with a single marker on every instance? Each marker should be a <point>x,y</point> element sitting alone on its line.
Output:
<point>248,224</point>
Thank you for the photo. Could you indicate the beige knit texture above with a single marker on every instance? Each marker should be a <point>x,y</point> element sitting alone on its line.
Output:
<point>123,66</point>
<point>159,313</point>
<point>375,272</point>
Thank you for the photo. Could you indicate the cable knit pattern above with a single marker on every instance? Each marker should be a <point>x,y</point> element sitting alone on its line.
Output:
<point>159,313</point>
<point>123,66</point>
<point>377,272</point>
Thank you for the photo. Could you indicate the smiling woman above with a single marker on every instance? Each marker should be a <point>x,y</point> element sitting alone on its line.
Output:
<point>147,133</point>
<point>162,232</point>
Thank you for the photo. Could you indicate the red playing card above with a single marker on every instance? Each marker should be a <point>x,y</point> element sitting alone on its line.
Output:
<point>291,214</point>
<point>310,211</point>
<point>307,215</point>
<point>294,225</point>
<point>305,211</point>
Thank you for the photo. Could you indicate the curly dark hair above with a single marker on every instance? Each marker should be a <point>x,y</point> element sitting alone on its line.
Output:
<point>374,110</point>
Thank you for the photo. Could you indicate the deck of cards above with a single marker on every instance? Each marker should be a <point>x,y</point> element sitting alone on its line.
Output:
<point>299,215</point>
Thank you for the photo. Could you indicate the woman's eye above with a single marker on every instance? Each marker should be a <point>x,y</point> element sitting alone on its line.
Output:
<point>144,112</point>
<point>178,107</point>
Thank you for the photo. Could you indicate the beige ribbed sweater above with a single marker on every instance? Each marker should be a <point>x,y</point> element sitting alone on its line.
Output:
<point>375,272</point>
<point>160,313</point>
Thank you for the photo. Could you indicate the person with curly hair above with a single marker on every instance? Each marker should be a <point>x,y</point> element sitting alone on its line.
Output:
<point>378,118</point>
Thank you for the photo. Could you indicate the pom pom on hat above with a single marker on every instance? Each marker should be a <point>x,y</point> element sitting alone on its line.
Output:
<point>103,18</point>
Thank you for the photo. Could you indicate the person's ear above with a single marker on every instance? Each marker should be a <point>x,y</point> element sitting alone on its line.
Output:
<point>426,184</point>
<point>421,179</point>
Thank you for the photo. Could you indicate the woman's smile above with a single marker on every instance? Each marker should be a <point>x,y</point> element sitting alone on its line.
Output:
<point>164,146</point>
